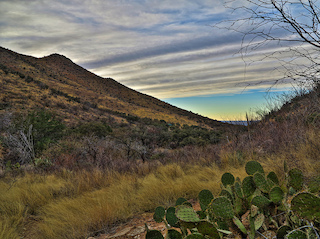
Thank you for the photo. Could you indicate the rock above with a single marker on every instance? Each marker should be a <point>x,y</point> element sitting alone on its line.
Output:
<point>121,233</point>
<point>137,231</point>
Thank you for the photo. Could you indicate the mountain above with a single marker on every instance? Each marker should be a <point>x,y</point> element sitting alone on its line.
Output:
<point>54,82</point>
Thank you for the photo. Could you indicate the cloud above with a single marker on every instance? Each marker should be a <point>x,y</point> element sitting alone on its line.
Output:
<point>162,48</point>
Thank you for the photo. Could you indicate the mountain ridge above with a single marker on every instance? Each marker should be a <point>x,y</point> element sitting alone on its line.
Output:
<point>69,88</point>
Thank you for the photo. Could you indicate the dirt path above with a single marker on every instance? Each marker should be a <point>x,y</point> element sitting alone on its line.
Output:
<point>135,227</point>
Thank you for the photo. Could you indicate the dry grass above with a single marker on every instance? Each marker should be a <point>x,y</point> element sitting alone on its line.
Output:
<point>70,205</point>
<point>75,204</point>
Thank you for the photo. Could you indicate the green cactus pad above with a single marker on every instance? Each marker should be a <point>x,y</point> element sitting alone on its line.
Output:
<point>258,221</point>
<point>227,194</point>
<point>173,234</point>
<point>282,231</point>
<point>276,194</point>
<point>186,213</point>
<point>239,224</point>
<point>260,201</point>
<point>195,236</point>
<point>205,197</point>
<point>180,201</point>
<point>221,207</point>
<point>227,179</point>
<point>297,234</point>
<point>273,177</point>
<point>252,167</point>
<point>154,234</point>
<point>171,216</point>
<point>248,186</point>
<point>295,179</point>
<point>208,229</point>
<point>261,182</point>
<point>306,205</point>
<point>254,210</point>
<point>238,190</point>
<point>239,206</point>
<point>159,213</point>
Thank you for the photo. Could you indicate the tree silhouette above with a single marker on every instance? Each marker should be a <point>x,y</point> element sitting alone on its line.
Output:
<point>291,27</point>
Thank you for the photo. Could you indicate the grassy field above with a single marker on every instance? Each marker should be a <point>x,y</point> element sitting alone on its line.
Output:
<point>75,204</point>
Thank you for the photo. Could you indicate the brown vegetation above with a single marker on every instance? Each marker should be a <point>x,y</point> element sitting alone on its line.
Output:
<point>82,176</point>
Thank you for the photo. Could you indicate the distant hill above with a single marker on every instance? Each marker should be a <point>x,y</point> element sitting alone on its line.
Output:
<point>54,82</point>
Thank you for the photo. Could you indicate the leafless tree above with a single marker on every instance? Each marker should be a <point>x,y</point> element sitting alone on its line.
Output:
<point>289,27</point>
<point>21,145</point>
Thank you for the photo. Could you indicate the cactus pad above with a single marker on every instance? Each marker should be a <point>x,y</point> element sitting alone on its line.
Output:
<point>258,221</point>
<point>227,194</point>
<point>154,234</point>
<point>195,236</point>
<point>238,190</point>
<point>276,194</point>
<point>159,213</point>
<point>252,167</point>
<point>261,182</point>
<point>254,210</point>
<point>205,197</point>
<point>282,231</point>
<point>295,179</point>
<point>173,234</point>
<point>248,186</point>
<point>208,229</point>
<point>186,213</point>
<point>260,201</point>
<point>227,179</point>
<point>306,205</point>
<point>171,216</point>
<point>221,207</point>
<point>297,234</point>
<point>180,201</point>
<point>273,177</point>
<point>239,224</point>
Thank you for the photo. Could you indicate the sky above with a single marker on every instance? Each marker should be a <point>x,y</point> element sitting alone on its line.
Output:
<point>164,48</point>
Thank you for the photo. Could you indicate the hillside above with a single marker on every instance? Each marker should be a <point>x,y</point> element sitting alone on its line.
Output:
<point>54,82</point>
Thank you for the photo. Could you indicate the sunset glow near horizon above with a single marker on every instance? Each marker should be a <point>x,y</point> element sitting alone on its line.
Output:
<point>166,49</point>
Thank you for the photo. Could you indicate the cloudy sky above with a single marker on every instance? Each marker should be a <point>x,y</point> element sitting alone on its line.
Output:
<point>164,48</point>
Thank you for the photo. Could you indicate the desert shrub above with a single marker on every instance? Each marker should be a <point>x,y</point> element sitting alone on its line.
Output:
<point>47,129</point>
<point>99,129</point>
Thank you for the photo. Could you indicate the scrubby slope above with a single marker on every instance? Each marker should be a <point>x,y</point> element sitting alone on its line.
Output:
<point>55,82</point>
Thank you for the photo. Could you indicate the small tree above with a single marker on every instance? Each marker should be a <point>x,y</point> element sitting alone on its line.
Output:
<point>292,25</point>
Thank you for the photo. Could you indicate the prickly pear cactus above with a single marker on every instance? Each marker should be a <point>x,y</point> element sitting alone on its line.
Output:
<point>258,221</point>
<point>297,234</point>
<point>252,167</point>
<point>221,207</point>
<point>180,201</point>
<point>173,234</point>
<point>276,194</point>
<point>260,201</point>
<point>261,182</point>
<point>273,177</point>
<point>238,190</point>
<point>171,216</point>
<point>227,179</point>
<point>159,213</point>
<point>282,231</point>
<point>186,214</point>
<point>295,179</point>
<point>208,229</point>
<point>248,186</point>
<point>205,197</point>
<point>306,205</point>
<point>227,194</point>
<point>154,234</point>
